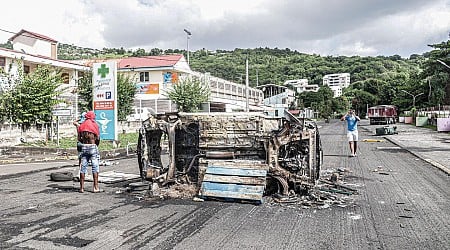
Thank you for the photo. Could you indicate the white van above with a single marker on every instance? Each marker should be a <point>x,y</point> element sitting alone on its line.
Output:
<point>140,114</point>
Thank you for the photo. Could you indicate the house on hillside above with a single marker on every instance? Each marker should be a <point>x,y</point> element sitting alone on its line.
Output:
<point>30,50</point>
<point>302,85</point>
<point>337,82</point>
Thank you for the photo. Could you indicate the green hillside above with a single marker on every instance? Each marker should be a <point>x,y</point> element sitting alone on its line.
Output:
<point>374,80</point>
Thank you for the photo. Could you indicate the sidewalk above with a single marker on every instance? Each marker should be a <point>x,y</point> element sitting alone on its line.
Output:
<point>20,167</point>
<point>16,161</point>
<point>426,144</point>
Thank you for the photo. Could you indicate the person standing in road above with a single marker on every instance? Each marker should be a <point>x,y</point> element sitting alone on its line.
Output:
<point>352,130</point>
<point>89,136</point>
<point>77,124</point>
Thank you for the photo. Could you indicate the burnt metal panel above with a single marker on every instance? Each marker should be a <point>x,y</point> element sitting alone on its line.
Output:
<point>236,179</point>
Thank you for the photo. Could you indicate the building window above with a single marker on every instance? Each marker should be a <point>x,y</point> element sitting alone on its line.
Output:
<point>26,69</point>
<point>2,61</point>
<point>144,77</point>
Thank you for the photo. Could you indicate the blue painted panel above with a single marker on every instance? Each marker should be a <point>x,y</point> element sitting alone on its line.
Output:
<point>105,120</point>
<point>232,195</point>
<point>238,188</point>
<point>235,171</point>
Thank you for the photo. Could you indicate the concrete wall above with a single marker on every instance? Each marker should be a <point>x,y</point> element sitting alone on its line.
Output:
<point>12,135</point>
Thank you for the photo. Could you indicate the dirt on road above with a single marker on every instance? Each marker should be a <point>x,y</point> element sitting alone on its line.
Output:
<point>401,202</point>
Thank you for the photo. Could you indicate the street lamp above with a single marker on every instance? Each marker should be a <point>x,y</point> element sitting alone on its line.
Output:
<point>413,96</point>
<point>443,63</point>
<point>188,35</point>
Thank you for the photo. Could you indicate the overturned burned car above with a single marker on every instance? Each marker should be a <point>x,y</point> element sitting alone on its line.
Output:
<point>241,155</point>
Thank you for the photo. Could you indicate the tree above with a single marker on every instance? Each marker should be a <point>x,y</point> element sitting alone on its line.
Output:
<point>321,101</point>
<point>189,94</point>
<point>436,75</point>
<point>139,52</point>
<point>156,52</point>
<point>339,104</point>
<point>325,105</point>
<point>126,90</point>
<point>360,99</point>
<point>7,45</point>
<point>32,98</point>
<point>6,106</point>
<point>85,90</point>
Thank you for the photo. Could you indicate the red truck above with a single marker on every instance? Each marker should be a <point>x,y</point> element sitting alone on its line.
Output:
<point>382,114</point>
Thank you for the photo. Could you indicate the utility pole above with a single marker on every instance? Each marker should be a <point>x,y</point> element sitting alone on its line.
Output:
<point>413,96</point>
<point>188,35</point>
<point>247,109</point>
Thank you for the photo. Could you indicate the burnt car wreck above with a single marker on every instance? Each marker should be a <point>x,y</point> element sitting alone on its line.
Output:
<point>231,155</point>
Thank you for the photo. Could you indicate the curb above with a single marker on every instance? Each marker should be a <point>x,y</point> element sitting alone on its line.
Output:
<point>432,162</point>
<point>6,176</point>
<point>51,155</point>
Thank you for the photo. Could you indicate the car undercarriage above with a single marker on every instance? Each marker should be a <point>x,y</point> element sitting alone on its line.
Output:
<point>241,155</point>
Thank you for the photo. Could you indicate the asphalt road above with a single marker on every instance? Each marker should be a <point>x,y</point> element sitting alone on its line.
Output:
<point>402,203</point>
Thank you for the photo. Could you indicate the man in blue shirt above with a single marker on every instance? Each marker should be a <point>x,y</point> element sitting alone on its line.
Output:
<point>352,130</point>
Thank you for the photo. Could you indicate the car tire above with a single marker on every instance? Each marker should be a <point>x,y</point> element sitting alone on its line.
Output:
<point>61,176</point>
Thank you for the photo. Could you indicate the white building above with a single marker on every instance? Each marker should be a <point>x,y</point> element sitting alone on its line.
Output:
<point>35,44</point>
<point>337,82</point>
<point>154,76</point>
<point>278,98</point>
<point>31,50</point>
<point>301,85</point>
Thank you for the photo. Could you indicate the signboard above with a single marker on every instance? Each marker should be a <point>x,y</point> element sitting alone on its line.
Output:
<point>170,77</point>
<point>147,88</point>
<point>104,78</point>
<point>61,112</point>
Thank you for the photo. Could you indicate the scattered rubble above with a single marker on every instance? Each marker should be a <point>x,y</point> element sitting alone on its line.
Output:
<point>381,170</point>
<point>330,191</point>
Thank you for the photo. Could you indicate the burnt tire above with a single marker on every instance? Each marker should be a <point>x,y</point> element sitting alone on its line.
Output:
<point>141,147</point>
<point>61,176</point>
<point>139,186</point>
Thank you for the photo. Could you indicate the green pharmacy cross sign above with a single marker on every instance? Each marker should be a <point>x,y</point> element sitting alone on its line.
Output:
<point>104,81</point>
<point>103,71</point>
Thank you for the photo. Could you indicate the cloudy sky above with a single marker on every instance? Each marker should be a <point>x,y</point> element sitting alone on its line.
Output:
<point>325,27</point>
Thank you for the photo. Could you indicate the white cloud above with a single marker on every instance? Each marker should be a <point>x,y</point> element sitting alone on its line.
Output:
<point>356,48</point>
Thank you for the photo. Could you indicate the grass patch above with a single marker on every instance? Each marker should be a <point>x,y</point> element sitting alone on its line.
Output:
<point>71,142</point>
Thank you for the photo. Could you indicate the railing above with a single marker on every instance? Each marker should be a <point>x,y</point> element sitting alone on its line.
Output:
<point>128,148</point>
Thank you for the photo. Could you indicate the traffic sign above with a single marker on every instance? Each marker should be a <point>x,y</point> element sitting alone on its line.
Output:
<point>62,112</point>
